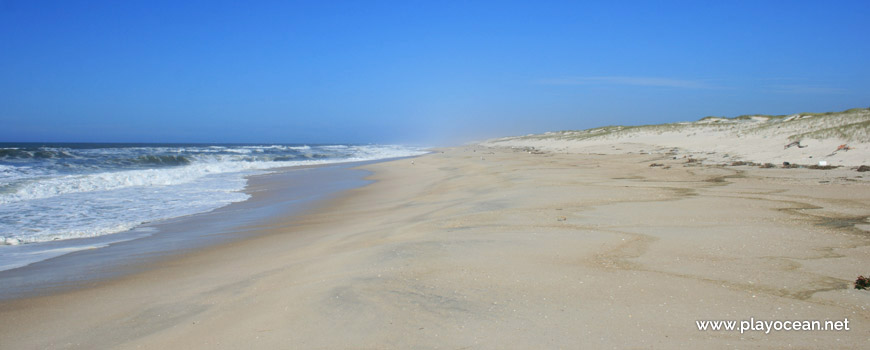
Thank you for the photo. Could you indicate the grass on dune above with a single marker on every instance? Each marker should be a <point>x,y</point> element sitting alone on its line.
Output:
<point>849,125</point>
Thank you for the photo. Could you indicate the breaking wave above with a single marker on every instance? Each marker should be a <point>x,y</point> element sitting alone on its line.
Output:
<point>73,191</point>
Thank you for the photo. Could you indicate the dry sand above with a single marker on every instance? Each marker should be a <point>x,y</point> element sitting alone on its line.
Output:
<point>497,248</point>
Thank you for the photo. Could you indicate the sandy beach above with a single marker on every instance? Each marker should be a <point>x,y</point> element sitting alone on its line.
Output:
<point>434,175</point>
<point>483,247</point>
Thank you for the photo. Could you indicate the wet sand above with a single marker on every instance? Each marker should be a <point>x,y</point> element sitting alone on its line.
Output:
<point>281,193</point>
<point>498,248</point>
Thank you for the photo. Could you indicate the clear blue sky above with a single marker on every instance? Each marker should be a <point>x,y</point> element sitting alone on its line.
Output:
<point>406,71</point>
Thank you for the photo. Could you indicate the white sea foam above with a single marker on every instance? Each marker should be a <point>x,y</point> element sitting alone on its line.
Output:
<point>46,187</point>
<point>39,204</point>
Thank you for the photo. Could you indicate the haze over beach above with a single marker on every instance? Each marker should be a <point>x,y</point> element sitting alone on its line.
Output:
<point>392,175</point>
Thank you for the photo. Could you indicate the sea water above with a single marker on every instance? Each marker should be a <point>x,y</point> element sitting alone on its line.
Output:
<point>60,192</point>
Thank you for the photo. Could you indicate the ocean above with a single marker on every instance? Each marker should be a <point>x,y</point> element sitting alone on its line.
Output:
<point>77,191</point>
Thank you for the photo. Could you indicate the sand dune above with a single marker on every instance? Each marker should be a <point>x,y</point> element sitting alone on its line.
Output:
<point>752,138</point>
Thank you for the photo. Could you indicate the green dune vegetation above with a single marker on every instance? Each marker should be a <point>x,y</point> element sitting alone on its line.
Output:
<point>849,125</point>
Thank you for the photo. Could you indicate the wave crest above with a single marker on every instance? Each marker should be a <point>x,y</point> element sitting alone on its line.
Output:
<point>163,160</point>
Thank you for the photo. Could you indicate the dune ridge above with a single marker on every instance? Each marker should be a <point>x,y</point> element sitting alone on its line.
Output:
<point>749,138</point>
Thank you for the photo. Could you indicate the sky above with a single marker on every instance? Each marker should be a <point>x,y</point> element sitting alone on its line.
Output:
<point>419,72</point>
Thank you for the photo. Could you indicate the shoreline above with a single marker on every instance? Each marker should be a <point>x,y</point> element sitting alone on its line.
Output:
<point>131,251</point>
<point>493,247</point>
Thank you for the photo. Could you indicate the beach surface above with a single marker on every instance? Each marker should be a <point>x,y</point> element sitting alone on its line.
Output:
<point>494,247</point>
